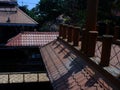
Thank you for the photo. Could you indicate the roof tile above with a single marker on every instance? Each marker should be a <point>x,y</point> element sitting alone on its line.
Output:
<point>72,72</point>
<point>32,39</point>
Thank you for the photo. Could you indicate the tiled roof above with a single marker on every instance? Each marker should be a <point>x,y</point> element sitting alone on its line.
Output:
<point>15,15</point>
<point>7,10</point>
<point>68,71</point>
<point>32,39</point>
<point>12,15</point>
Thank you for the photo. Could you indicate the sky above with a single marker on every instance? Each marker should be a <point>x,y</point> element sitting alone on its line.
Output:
<point>30,3</point>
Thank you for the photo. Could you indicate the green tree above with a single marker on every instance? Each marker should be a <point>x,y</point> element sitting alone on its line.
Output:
<point>24,8</point>
<point>76,10</point>
<point>106,9</point>
<point>50,8</point>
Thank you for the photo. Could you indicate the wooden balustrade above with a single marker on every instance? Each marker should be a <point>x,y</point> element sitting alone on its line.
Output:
<point>72,34</point>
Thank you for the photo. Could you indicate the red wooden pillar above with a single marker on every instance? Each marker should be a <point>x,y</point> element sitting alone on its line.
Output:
<point>116,32</point>
<point>91,15</point>
<point>70,33</point>
<point>76,36</point>
<point>91,19</point>
<point>106,50</point>
<point>92,43</point>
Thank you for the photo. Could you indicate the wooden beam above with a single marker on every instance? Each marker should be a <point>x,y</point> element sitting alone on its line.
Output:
<point>92,6</point>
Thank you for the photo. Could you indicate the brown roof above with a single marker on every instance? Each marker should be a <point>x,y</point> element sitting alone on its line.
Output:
<point>32,39</point>
<point>68,71</point>
<point>12,15</point>
<point>6,0</point>
<point>15,15</point>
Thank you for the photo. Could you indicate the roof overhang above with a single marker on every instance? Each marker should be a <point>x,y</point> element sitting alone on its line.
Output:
<point>18,24</point>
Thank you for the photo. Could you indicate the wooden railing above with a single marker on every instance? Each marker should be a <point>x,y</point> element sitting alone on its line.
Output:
<point>76,35</point>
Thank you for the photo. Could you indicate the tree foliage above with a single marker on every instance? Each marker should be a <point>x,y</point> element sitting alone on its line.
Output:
<point>106,9</point>
<point>24,8</point>
<point>48,10</point>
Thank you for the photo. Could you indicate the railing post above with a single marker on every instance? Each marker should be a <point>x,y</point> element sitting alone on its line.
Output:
<point>116,32</point>
<point>76,36</point>
<point>92,43</point>
<point>64,32</point>
<point>84,42</point>
<point>60,30</point>
<point>106,50</point>
<point>66,28</point>
<point>70,33</point>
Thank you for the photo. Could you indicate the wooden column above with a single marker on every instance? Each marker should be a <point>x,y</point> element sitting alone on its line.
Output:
<point>92,6</point>
<point>91,19</point>
<point>92,43</point>
<point>76,36</point>
<point>106,50</point>
<point>70,33</point>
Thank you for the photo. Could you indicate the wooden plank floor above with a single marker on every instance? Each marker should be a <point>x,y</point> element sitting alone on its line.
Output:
<point>67,71</point>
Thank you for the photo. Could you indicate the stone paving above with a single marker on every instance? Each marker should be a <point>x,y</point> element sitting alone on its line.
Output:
<point>22,77</point>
